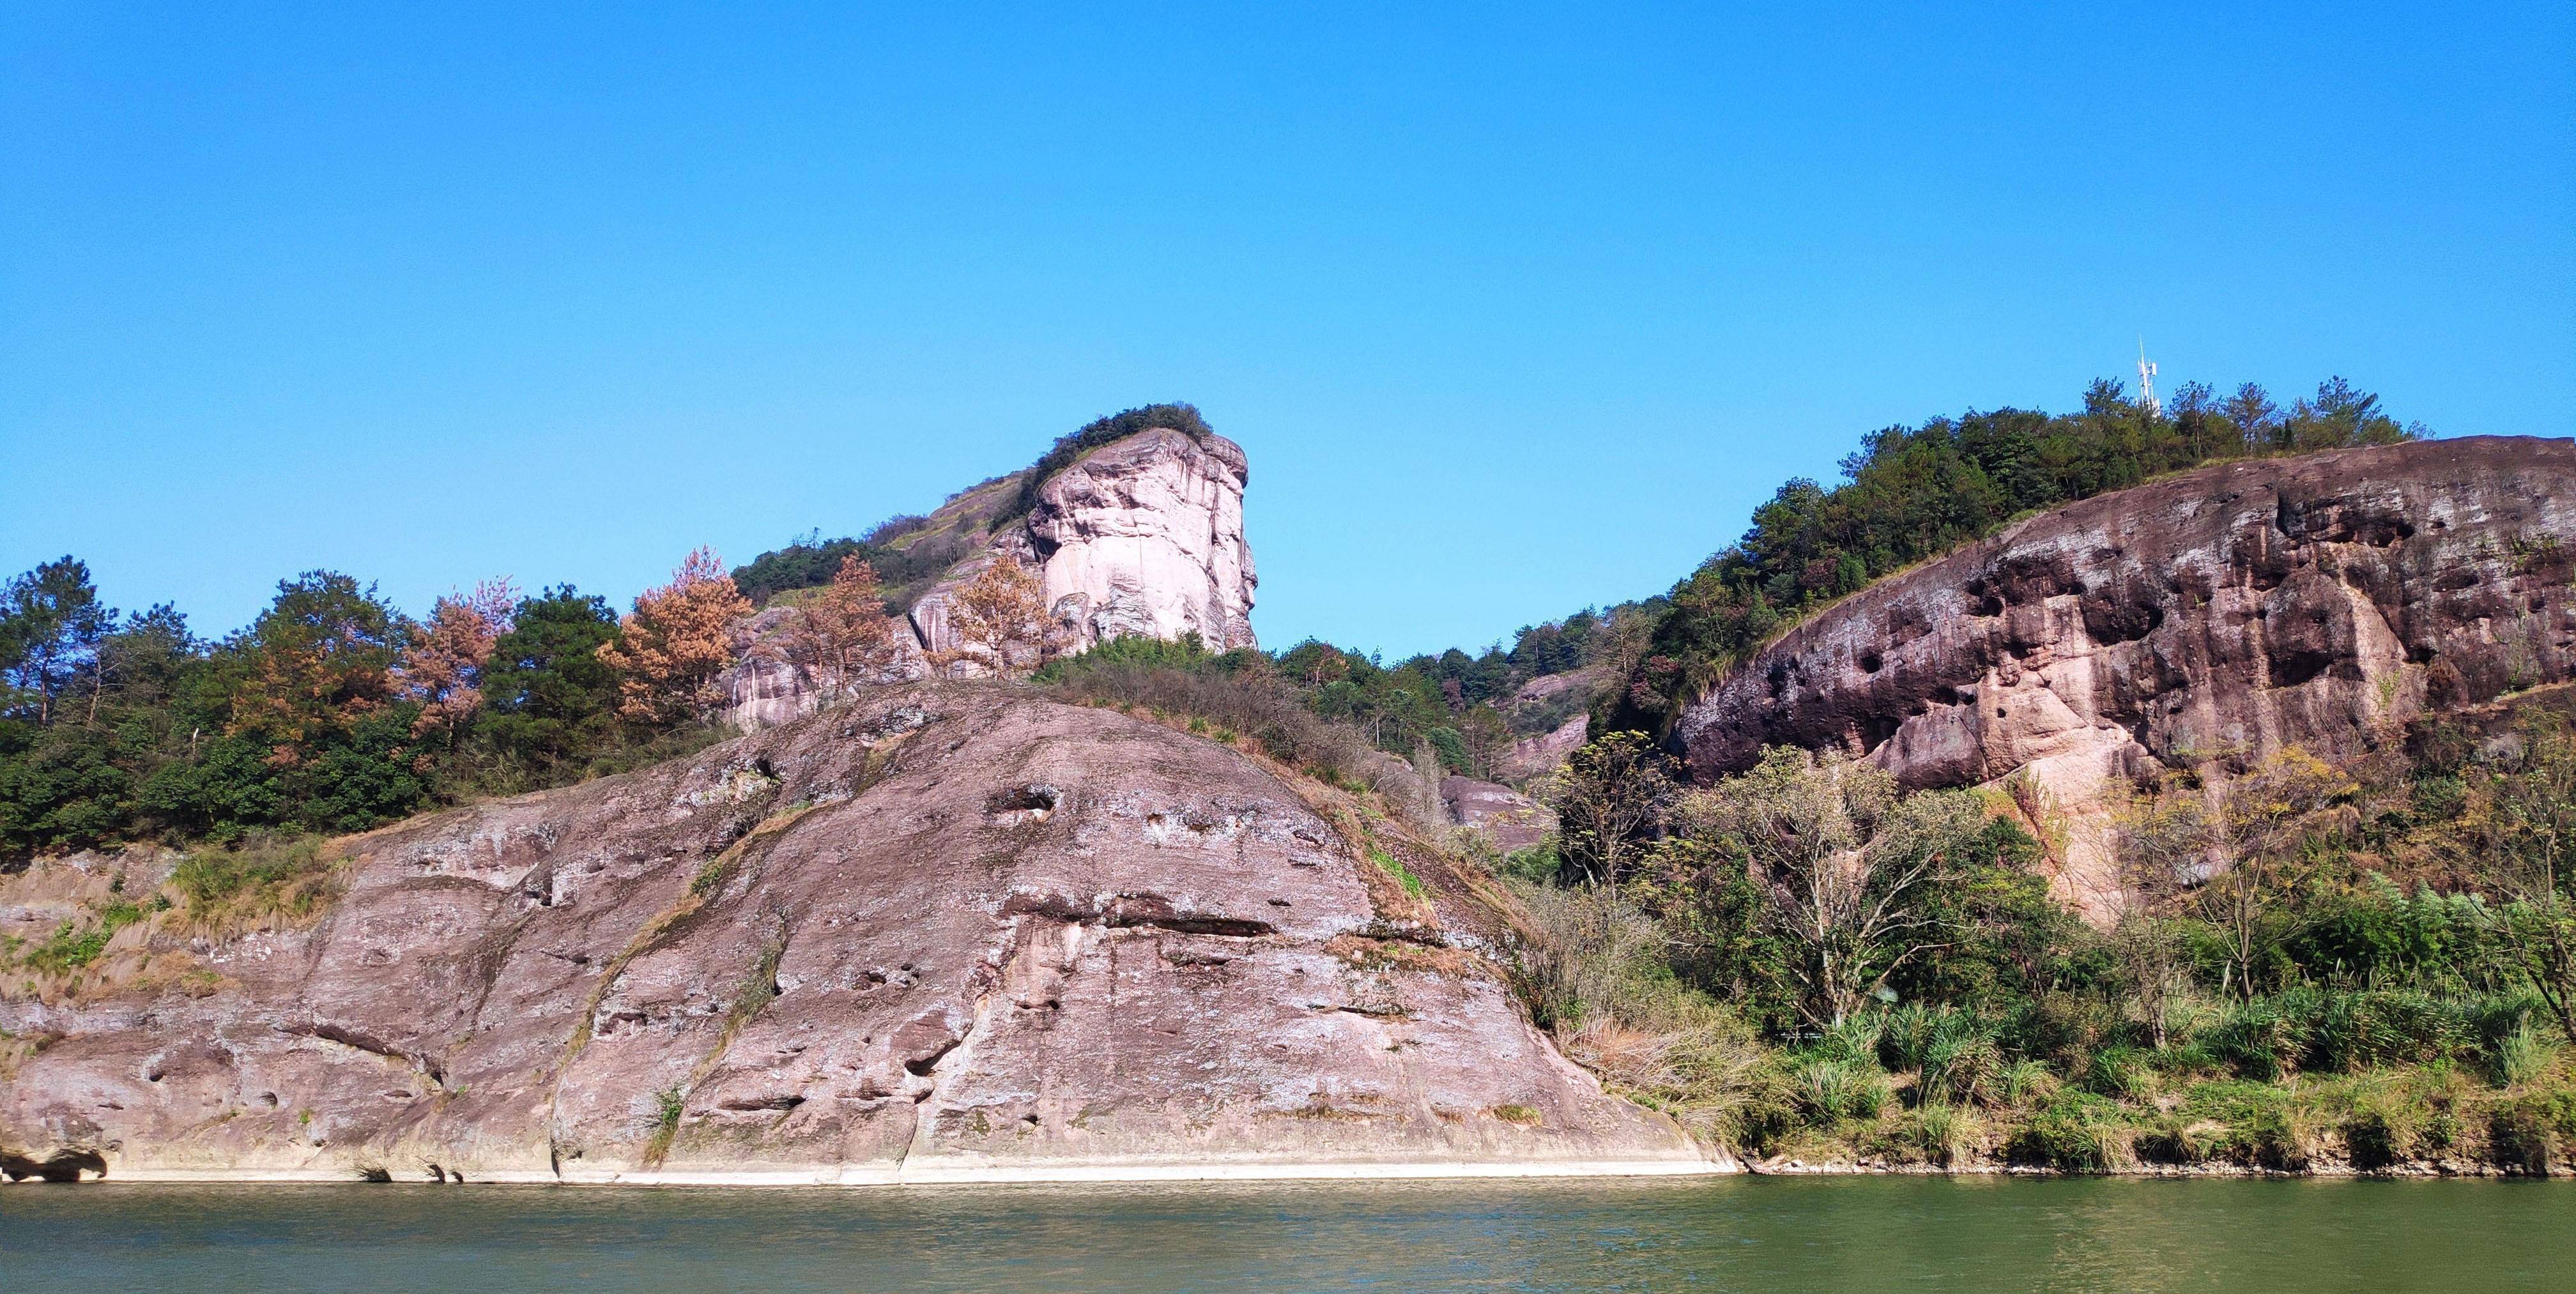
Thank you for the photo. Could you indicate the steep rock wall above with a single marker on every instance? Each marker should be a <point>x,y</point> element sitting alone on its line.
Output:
<point>1140,537</point>
<point>950,932</point>
<point>2209,618</point>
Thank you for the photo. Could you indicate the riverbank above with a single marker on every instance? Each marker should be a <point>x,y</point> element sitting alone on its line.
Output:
<point>929,1174</point>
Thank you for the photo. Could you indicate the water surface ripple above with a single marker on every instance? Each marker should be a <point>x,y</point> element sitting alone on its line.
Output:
<point>1771,1235</point>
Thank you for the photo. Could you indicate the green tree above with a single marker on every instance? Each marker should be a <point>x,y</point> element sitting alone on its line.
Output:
<point>547,697</point>
<point>51,625</point>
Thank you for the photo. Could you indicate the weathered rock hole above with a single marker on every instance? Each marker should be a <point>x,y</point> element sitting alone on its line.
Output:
<point>1872,662</point>
<point>1030,803</point>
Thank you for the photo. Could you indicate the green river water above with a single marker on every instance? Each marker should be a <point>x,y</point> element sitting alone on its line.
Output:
<point>1767,1234</point>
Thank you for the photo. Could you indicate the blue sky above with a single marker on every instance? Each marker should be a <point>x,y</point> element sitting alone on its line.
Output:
<point>1515,310</point>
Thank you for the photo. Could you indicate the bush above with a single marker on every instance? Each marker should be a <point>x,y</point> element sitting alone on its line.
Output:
<point>1182,418</point>
<point>1830,1091</point>
<point>2263,1039</point>
<point>262,877</point>
<point>1942,1131</point>
<point>2076,1133</point>
<point>2520,1138</point>
<point>2122,1073</point>
<point>1597,978</point>
<point>1905,1036</point>
<point>1961,1061</point>
<point>2520,1055</point>
<point>2356,1031</point>
<point>1239,690</point>
<point>2173,1140</point>
<point>2371,1140</point>
<point>2027,1082</point>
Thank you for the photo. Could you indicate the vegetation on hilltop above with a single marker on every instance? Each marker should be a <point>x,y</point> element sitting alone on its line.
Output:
<point>910,553</point>
<point>1912,493</point>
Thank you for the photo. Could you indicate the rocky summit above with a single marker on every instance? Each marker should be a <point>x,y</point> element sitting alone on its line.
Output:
<point>2205,619</point>
<point>1141,537</point>
<point>947,931</point>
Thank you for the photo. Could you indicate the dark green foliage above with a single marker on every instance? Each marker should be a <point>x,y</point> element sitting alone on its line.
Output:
<point>907,561</point>
<point>1242,692</point>
<point>1912,493</point>
<point>2078,1132</point>
<point>548,700</point>
<point>1182,418</point>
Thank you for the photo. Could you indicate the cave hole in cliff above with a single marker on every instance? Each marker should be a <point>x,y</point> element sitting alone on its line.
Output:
<point>1871,662</point>
<point>1876,729</point>
<point>1030,803</point>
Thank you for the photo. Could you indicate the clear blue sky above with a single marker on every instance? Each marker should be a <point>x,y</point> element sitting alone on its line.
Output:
<point>1514,310</point>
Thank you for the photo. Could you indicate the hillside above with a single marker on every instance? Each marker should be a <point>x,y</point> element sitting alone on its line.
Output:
<point>953,932</point>
<point>2192,626</point>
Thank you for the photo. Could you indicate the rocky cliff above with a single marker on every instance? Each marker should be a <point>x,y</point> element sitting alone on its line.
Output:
<point>1140,537</point>
<point>2200,621</point>
<point>949,931</point>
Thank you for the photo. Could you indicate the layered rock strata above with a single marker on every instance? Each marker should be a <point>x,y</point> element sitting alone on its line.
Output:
<point>2202,621</point>
<point>951,933</point>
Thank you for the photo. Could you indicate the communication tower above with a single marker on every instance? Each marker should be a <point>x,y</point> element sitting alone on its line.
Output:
<point>2147,382</point>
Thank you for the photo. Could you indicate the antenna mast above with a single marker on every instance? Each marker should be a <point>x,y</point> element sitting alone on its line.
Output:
<point>2147,382</point>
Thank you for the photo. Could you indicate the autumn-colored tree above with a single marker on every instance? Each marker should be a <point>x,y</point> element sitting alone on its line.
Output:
<point>442,664</point>
<point>843,632</point>
<point>680,637</point>
<point>316,661</point>
<point>1002,608</point>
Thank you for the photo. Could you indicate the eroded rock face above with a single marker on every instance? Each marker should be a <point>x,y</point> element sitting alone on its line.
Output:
<point>2209,618</point>
<point>1142,537</point>
<point>952,929</point>
<point>1507,818</point>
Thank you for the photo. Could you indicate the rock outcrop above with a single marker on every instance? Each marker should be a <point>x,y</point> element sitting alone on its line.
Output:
<point>1140,537</point>
<point>949,931</point>
<point>2203,620</point>
<point>1507,819</point>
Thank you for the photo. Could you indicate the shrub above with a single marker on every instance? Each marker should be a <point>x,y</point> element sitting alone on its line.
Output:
<point>2122,1073</point>
<point>2076,1133</point>
<point>2027,1082</point>
<point>1857,1038</point>
<point>1942,1131</point>
<point>2372,1140</point>
<point>1904,1036</point>
<point>1182,418</point>
<point>2263,1039</point>
<point>2520,1138</point>
<point>1961,1061</point>
<point>2173,1139</point>
<point>2521,1055</point>
<point>73,946</point>
<point>1830,1091</point>
<point>1239,690</point>
<point>2358,1030</point>
<point>262,877</point>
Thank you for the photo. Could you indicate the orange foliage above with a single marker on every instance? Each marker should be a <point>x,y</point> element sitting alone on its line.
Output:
<point>844,628</point>
<point>442,664</point>
<point>680,637</point>
<point>1001,608</point>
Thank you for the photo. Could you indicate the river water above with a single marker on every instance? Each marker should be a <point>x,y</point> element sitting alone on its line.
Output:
<point>1767,1234</point>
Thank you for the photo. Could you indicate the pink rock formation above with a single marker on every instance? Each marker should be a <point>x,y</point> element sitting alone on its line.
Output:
<point>2206,619</point>
<point>950,930</point>
<point>1141,537</point>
